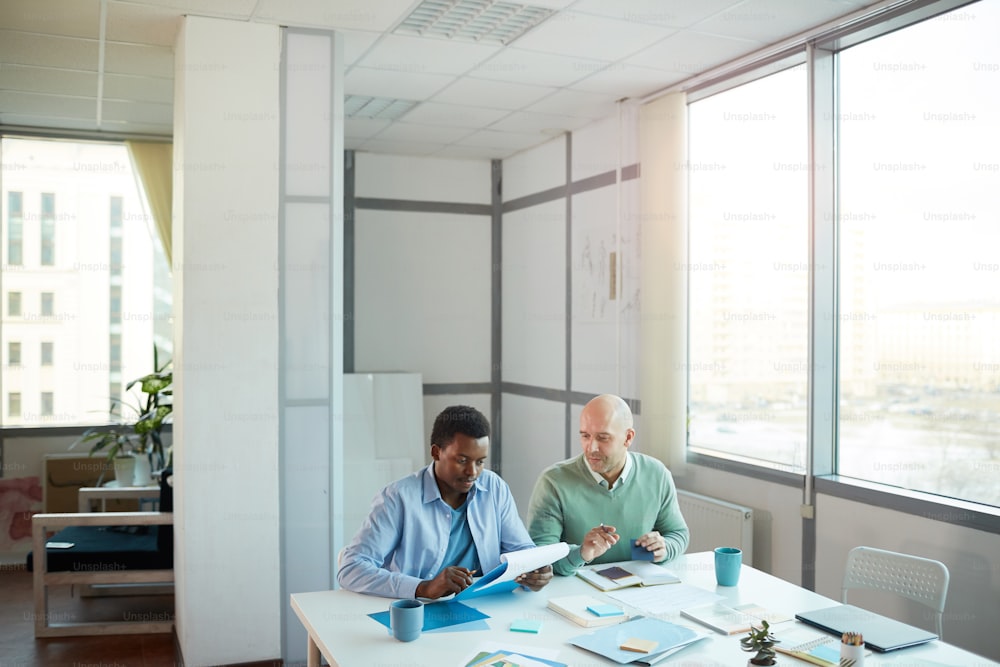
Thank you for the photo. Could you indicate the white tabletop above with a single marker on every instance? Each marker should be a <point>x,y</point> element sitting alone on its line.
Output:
<point>337,622</point>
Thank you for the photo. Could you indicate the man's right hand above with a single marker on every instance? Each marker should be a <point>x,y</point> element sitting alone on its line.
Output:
<point>449,580</point>
<point>597,541</point>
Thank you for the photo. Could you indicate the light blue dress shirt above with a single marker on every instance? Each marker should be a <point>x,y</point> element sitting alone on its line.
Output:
<point>405,537</point>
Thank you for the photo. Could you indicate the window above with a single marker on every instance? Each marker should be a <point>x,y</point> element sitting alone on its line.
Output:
<point>108,303</point>
<point>13,354</point>
<point>15,229</point>
<point>748,273</point>
<point>919,275</point>
<point>14,404</point>
<point>48,304</point>
<point>14,304</point>
<point>48,229</point>
<point>906,289</point>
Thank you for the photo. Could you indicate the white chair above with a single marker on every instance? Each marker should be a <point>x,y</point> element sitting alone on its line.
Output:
<point>920,579</point>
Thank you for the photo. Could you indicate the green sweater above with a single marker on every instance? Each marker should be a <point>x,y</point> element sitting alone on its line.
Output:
<point>567,502</point>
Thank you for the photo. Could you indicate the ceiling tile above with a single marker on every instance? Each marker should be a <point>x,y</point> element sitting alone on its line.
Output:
<point>399,53</point>
<point>495,94</point>
<point>398,85</point>
<point>69,18</point>
<point>139,88</point>
<point>627,80</point>
<point>48,80</point>
<point>593,37</point>
<point>504,140</point>
<point>157,61</point>
<point>371,15</point>
<point>673,13</point>
<point>540,69</point>
<point>527,123</point>
<point>474,152</point>
<point>405,131</point>
<point>356,43</point>
<point>137,24</point>
<point>690,52</point>
<point>364,128</point>
<point>576,103</point>
<point>19,48</point>
<point>433,113</point>
<point>772,20</point>
<point>156,114</point>
<point>237,9</point>
<point>399,147</point>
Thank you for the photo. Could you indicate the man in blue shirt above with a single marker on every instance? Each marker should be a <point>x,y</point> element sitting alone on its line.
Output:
<point>429,533</point>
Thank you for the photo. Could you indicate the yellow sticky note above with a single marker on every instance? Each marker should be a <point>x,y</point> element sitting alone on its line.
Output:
<point>638,645</point>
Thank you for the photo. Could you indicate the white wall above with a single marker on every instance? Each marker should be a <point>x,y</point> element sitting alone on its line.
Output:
<point>226,340</point>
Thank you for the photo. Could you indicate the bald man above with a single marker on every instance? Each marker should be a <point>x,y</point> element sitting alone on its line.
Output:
<point>607,498</point>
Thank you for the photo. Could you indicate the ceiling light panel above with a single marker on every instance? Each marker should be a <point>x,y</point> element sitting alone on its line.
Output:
<point>382,108</point>
<point>472,20</point>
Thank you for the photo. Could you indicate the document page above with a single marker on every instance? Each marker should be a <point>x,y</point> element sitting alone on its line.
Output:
<point>512,565</point>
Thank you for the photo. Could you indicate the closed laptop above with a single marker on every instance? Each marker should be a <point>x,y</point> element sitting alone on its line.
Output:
<point>880,633</point>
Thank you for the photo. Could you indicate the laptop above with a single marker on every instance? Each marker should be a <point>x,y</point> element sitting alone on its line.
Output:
<point>880,633</point>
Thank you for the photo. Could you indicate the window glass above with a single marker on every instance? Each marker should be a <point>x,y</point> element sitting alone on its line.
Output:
<point>919,233</point>
<point>80,202</point>
<point>14,404</point>
<point>748,276</point>
<point>15,229</point>
<point>13,354</point>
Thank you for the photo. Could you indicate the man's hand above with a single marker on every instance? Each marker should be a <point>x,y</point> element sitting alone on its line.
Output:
<point>653,541</point>
<point>449,580</point>
<point>536,579</point>
<point>597,541</point>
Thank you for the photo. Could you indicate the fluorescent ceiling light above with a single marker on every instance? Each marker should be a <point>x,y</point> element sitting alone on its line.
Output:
<point>472,20</point>
<point>386,108</point>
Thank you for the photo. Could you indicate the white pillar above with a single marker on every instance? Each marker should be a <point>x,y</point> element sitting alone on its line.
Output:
<point>225,238</point>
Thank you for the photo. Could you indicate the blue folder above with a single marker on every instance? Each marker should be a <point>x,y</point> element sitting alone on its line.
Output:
<point>668,636</point>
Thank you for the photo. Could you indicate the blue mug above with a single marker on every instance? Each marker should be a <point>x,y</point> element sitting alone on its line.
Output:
<point>727,565</point>
<point>406,619</point>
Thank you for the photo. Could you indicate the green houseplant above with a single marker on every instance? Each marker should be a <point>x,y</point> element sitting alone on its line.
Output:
<point>762,641</point>
<point>140,420</point>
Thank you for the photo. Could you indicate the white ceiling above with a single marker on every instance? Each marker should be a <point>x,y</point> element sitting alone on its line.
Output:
<point>63,66</point>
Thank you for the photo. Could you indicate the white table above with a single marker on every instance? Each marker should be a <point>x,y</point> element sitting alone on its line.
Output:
<point>340,630</point>
<point>144,494</point>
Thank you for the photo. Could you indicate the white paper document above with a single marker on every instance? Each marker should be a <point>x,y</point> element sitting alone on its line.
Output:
<point>660,600</point>
<point>512,565</point>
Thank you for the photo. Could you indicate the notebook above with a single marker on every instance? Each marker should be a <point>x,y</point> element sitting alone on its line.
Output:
<point>881,634</point>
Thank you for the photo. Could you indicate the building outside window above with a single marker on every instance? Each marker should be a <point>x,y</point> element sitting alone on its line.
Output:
<point>14,404</point>
<point>110,300</point>
<point>13,353</point>
<point>15,229</point>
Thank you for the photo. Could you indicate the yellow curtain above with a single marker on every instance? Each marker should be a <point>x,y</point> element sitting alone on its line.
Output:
<point>153,162</point>
<point>663,328</point>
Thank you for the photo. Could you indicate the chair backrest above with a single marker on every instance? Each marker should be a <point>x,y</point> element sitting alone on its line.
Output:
<point>920,579</point>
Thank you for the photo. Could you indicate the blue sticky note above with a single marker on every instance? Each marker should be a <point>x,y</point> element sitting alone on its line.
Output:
<point>605,610</point>
<point>526,625</point>
<point>640,553</point>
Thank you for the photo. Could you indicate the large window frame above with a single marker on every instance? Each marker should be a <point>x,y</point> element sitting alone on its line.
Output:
<point>820,51</point>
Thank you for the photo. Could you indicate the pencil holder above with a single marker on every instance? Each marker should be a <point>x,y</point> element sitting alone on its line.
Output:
<point>852,656</point>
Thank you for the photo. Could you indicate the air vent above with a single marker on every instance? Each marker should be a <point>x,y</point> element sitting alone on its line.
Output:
<point>472,20</point>
<point>385,108</point>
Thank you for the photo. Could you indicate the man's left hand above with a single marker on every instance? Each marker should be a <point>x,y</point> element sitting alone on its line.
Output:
<point>653,541</point>
<point>536,579</point>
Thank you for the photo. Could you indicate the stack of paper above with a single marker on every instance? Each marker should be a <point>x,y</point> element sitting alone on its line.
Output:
<point>730,620</point>
<point>587,610</point>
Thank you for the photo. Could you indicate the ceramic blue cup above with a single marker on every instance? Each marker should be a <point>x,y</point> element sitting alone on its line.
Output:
<point>406,619</point>
<point>727,565</point>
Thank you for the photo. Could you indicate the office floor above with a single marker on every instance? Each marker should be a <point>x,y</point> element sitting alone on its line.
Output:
<point>19,648</point>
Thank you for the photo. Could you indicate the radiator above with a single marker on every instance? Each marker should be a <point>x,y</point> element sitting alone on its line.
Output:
<point>716,523</point>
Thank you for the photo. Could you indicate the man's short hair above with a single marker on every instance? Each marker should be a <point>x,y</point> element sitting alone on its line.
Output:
<point>457,419</point>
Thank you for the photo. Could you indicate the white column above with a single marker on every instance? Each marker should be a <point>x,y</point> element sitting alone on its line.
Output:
<point>226,141</point>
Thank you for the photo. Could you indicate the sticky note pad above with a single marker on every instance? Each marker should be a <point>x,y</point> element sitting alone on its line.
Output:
<point>605,610</point>
<point>638,645</point>
<point>526,625</point>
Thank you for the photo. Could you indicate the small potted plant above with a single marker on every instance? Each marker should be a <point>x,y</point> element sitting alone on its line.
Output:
<point>141,439</point>
<point>762,641</point>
